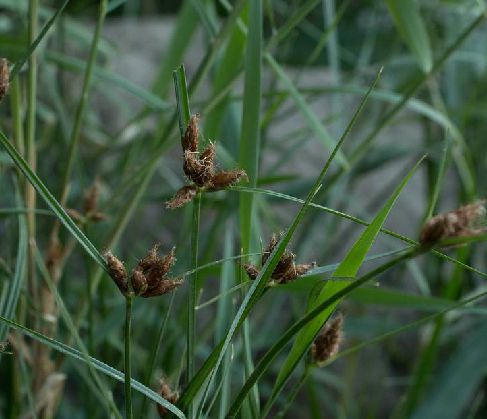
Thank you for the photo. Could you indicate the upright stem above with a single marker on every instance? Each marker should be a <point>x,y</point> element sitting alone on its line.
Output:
<point>128,333</point>
<point>193,289</point>
<point>30,193</point>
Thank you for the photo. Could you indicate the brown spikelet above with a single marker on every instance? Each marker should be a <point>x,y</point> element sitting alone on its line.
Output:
<point>166,393</point>
<point>91,198</point>
<point>251,270</point>
<point>224,179</point>
<point>117,272</point>
<point>465,221</point>
<point>4,78</point>
<point>327,343</point>
<point>138,281</point>
<point>270,247</point>
<point>304,268</point>
<point>198,171</point>
<point>182,197</point>
<point>149,277</point>
<point>189,141</point>
<point>285,270</point>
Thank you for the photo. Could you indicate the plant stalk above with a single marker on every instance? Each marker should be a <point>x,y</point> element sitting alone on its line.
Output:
<point>128,333</point>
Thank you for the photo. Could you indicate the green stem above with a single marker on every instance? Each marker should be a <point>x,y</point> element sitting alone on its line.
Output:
<point>296,389</point>
<point>193,289</point>
<point>128,332</point>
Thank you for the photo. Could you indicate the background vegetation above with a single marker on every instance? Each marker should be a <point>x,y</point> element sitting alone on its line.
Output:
<point>280,86</point>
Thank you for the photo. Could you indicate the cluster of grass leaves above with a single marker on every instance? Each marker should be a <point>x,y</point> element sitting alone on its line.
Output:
<point>236,348</point>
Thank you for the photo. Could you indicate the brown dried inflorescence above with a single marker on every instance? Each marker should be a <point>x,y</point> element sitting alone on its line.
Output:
<point>90,206</point>
<point>463,222</point>
<point>286,270</point>
<point>200,169</point>
<point>149,278</point>
<point>4,77</point>
<point>328,341</point>
<point>166,393</point>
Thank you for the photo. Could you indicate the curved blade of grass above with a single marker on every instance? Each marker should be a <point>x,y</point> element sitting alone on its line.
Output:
<point>19,63</point>
<point>305,109</point>
<point>99,365</point>
<point>56,208</point>
<point>8,306</point>
<point>213,362</point>
<point>412,28</point>
<point>348,268</point>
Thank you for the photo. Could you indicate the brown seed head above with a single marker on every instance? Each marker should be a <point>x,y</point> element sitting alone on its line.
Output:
<point>4,78</point>
<point>182,197</point>
<point>166,393</point>
<point>270,247</point>
<point>190,138</point>
<point>92,196</point>
<point>117,272</point>
<point>285,270</point>
<point>149,277</point>
<point>224,179</point>
<point>252,271</point>
<point>465,221</point>
<point>197,170</point>
<point>327,343</point>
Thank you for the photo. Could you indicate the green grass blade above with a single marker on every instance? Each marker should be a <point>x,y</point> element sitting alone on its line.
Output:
<point>99,365</point>
<point>313,121</point>
<point>348,268</point>
<point>19,63</point>
<point>56,208</point>
<point>412,28</point>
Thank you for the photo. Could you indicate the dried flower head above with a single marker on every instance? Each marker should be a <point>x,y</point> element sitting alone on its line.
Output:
<point>117,272</point>
<point>224,179</point>
<point>149,277</point>
<point>182,197</point>
<point>463,222</point>
<point>285,271</point>
<point>4,77</point>
<point>189,141</point>
<point>200,169</point>
<point>166,393</point>
<point>327,343</point>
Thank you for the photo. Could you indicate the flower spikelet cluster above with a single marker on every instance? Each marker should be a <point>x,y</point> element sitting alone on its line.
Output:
<point>200,169</point>
<point>149,278</point>
<point>286,269</point>
<point>465,221</point>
